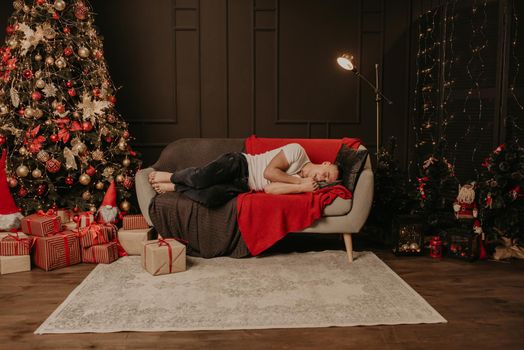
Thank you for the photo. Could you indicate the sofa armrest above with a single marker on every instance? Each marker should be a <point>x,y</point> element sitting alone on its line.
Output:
<point>144,192</point>
<point>362,201</point>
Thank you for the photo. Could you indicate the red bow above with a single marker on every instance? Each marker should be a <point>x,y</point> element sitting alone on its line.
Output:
<point>50,212</point>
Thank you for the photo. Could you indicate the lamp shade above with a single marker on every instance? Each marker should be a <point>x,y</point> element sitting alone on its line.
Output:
<point>345,62</point>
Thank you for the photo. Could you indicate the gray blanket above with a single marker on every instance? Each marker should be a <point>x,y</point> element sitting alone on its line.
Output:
<point>210,232</point>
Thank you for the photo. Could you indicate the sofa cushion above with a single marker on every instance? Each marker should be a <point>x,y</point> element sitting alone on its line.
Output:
<point>338,207</point>
<point>350,163</point>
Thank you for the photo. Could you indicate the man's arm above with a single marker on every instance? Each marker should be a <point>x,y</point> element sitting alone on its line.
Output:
<point>276,171</point>
<point>307,185</point>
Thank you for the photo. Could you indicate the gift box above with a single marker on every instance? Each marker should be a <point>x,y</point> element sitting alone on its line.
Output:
<point>65,215</point>
<point>41,224</point>
<point>70,226</point>
<point>133,240</point>
<point>12,264</point>
<point>100,254</point>
<point>134,222</point>
<point>85,219</point>
<point>95,234</point>
<point>57,250</point>
<point>15,244</point>
<point>163,256</point>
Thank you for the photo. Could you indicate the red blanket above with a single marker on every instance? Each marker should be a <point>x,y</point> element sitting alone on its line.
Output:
<point>264,219</point>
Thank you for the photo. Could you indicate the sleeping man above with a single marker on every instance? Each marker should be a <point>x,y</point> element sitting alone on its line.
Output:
<point>284,170</point>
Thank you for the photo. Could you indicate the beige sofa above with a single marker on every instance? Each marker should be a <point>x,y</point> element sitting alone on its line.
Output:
<point>345,217</point>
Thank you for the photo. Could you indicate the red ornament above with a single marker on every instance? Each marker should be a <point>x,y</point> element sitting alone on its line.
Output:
<point>22,192</point>
<point>60,108</point>
<point>41,190</point>
<point>69,84</point>
<point>99,54</point>
<point>125,134</point>
<point>54,138</point>
<point>109,139</point>
<point>12,182</point>
<point>71,92</point>
<point>10,30</point>
<point>76,218</point>
<point>91,171</point>
<point>36,96</point>
<point>68,51</point>
<point>111,118</point>
<point>96,92</point>
<point>21,111</point>
<point>3,140</point>
<point>40,2</point>
<point>435,247</point>
<point>81,11</point>
<point>67,30</point>
<point>111,99</point>
<point>69,181</point>
<point>128,183</point>
<point>87,126</point>
<point>53,165</point>
<point>56,16</point>
<point>28,73</point>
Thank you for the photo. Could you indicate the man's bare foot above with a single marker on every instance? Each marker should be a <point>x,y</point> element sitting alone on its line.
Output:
<point>159,177</point>
<point>163,187</point>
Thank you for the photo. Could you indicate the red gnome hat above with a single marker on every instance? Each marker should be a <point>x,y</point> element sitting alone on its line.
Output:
<point>9,213</point>
<point>108,211</point>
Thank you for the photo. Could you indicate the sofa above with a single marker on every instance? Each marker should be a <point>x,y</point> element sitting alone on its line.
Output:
<point>345,217</point>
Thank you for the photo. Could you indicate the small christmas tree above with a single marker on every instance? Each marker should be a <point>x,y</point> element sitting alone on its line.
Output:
<point>436,190</point>
<point>500,192</point>
<point>65,140</point>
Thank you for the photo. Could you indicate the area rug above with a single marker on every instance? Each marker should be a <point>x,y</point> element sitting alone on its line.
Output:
<point>314,289</point>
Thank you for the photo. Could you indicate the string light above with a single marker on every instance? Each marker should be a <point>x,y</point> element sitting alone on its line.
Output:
<point>516,64</point>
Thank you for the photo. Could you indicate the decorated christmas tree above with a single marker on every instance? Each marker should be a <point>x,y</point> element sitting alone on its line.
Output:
<point>65,140</point>
<point>500,190</point>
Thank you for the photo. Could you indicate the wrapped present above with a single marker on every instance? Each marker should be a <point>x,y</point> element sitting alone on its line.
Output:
<point>100,254</point>
<point>65,215</point>
<point>133,240</point>
<point>163,256</point>
<point>12,264</point>
<point>15,244</point>
<point>96,234</point>
<point>85,219</point>
<point>70,226</point>
<point>134,222</point>
<point>57,250</point>
<point>41,224</point>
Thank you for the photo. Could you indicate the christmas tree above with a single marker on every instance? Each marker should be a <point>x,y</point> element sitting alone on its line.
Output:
<point>500,190</point>
<point>66,142</point>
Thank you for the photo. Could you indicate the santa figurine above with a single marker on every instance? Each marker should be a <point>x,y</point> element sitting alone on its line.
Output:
<point>108,211</point>
<point>465,206</point>
<point>9,213</point>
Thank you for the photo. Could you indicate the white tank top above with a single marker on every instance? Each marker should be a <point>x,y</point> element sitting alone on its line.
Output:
<point>296,157</point>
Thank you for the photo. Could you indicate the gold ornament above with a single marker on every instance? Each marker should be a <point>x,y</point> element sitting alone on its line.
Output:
<point>12,43</point>
<point>37,173</point>
<point>22,150</point>
<point>126,162</point>
<point>40,84</point>
<point>93,209</point>
<point>3,110</point>
<point>125,205</point>
<point>22,171</point>
<point>49,60</point>
<point>97,155</point>
<point>83,52</point>
<point>119,178</point>
<point>38,113</point>
<point>38,57</point>
<point>86,195</point>
<point>42,156</point>
<point>84,179</point>
<point>99,185</point>
<point>26,9</point>
<point>60,5</point>
<point>60,63</point>
<point>38,74</point>
<point>48,122</point>
<point>29,112</point>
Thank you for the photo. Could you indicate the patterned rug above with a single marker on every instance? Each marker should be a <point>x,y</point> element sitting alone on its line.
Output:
<point>315,289</point>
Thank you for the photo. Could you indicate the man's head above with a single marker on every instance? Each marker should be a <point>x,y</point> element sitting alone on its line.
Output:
<point>326,171</point>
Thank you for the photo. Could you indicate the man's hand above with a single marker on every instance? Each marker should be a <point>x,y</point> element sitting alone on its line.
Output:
<point>308,185</point>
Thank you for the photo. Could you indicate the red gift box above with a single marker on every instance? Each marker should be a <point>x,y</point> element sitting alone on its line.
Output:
<point>134,222</point>
<point>85,219</point>
<point>57,250</point>
<point>41,224</point>
<point>96,234</point>
<point>12,244</point>
<point>100,254</point>
<point>65,215</point>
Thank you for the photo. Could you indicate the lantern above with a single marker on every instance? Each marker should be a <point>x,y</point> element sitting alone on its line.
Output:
<point>409,235</point>
<point>435,247</point>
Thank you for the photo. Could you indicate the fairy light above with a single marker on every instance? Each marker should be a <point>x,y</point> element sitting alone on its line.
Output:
<point>516,65</point>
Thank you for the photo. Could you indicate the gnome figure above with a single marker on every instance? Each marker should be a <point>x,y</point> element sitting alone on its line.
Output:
<point>9,214</point>
<point>108,211</point>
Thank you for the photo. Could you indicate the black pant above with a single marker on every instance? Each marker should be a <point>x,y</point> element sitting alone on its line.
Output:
<point>217,182</point>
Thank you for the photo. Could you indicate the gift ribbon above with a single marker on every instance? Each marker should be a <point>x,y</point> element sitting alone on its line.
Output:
<point>163,242</point>
<point>57,225</point>
<point>28,242</point>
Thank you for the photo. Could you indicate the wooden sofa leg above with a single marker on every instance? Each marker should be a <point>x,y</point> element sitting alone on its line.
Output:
<point>349,246</point>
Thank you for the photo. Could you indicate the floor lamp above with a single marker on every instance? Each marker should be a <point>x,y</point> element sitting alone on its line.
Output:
<point>346,61</point>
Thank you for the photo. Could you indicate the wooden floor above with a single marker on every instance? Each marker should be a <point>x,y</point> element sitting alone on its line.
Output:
<point>482,301</point>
